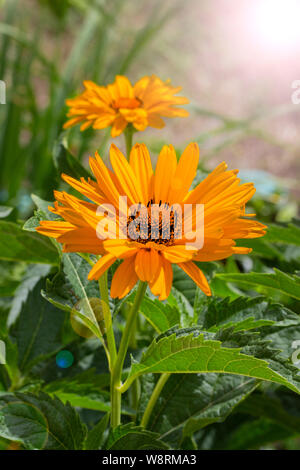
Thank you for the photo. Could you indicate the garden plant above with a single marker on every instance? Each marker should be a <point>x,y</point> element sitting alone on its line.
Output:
<point>149,299</point>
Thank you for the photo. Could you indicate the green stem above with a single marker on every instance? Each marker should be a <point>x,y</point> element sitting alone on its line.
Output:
<point>153,399</point>
<point>134,394</point>
<point>108,320</point>
<point>118,366</point>
<point>128,133</point>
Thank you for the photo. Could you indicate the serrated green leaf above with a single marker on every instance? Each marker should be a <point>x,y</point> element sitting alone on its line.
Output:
<point>40,422</point>
<point>183,284</point>
<point>242,313</point>
<point>130,437</point>
<point>94,438</point>
<point>82,390</point>
<point>195,354</point>
<point>160,316</point>
<point>278,281</point>
<point>207,398</point>
<point>76,270</point>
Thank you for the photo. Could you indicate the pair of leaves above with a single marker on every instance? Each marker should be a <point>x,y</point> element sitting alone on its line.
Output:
<point>43,422</point>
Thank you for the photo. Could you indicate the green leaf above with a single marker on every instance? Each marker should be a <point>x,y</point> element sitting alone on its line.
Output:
<point>40,422</point>
<point>281,407</point>
<point>34,221</point>
<point>82,390</point>
<point>278,281</point>
<point>5,211</point>
<point>183,284</point>
<point>65,162</point>
<point>160,316</point>
<point>189,402</point>
<point>242,313</point>
<point>284,233</point>
<point>71,291</point>
<point>249,434</point>
<point>76,270</point>
<point>261,248</point>
<point>19,245</point>
<point>130,437</point>
<point>195,354</point>
<point>38,331</point>
<point>95,436</point>
<point>42,206</point>
<point>31,277</point>
<point>246,313</point>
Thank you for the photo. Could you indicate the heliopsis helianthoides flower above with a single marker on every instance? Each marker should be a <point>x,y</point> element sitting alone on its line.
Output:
<point>144,255</point>
<point>120,104</point>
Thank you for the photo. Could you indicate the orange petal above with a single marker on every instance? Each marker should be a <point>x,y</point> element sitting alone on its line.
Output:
<point>185,173</point>
<point>101,266</point>
<point>164,173</point>
<point>125,175</point>
<point>140,162</point>
<point>118,126</point>
<point>120,248</point>
<point>161,286</point>
<point>147,264</point>
<point>124,279</point>
<point>177,254</point>
<point>197,275</point>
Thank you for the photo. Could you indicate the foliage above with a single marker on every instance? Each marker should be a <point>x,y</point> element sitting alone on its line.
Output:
<point>232,379</point>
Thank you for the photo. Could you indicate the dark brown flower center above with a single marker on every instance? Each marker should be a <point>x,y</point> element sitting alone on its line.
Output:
<point>154,223</point>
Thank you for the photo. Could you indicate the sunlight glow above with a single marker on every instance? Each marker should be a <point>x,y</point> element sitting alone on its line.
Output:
<point>278,22</point>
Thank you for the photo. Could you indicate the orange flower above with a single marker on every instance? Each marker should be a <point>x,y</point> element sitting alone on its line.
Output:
<point>120,104</point>
<point>145,258</point>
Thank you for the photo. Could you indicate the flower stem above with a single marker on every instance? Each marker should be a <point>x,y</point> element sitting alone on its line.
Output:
<point>107,320</point>
<point>118,366</point>
<point>128,134</point>
<point>153,399</point>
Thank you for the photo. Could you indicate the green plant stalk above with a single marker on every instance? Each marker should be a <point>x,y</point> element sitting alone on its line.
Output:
<point>154,397</point>
<point>118,366</point>
<point>128,134</point>
<point>108,320</point>
<point>134,395</point>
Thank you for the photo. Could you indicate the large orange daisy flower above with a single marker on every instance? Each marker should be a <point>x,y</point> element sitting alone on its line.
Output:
<point>151,259</point>
<point>120,104</point>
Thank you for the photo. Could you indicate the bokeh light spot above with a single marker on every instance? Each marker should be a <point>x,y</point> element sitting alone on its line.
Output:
<point>64,359</point>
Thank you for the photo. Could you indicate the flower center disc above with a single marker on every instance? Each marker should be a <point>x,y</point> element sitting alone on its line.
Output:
<point>129,103</point>
<point>144,227</point>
